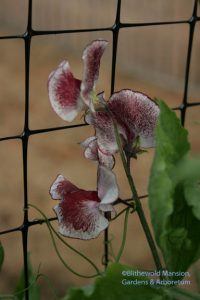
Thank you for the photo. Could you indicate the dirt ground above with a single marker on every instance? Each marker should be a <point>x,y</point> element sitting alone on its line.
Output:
<point>58,152</point>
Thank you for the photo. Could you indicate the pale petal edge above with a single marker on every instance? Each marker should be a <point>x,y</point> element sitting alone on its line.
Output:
<point>64,92</point>
<point>68,230</point>
<point>61,187</point>
<point>107,187</point>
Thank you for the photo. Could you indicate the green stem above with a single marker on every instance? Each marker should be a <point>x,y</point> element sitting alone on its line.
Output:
<point>112,250</point>
<point>62,260</point>
<point>139,209</point>
<point>50,227</point>
<point>124,237</point>
<point>130,205</point>
<point>145,226</point>
<point>17,295</point>
<point>73,249</point>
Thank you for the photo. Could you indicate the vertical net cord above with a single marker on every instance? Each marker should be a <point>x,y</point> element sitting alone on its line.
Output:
<point>25,139</point>
<point>192,23</point>
<point>115,34</point>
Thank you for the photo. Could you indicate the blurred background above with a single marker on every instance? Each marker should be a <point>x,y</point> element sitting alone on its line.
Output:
<point>150,59</point>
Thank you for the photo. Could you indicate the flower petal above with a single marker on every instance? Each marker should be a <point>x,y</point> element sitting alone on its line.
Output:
<point>103,125</point>
<point>91,58</point>
<point>106,207</point>
<point>107,185</point>
<point>137,114</point>
<point>92,152</point>
<point>61,187</point>
<point>86,142</point>
<point>90,145</point>
<point>64,92</point>
<point>79,215</point>
<point>106,160</point>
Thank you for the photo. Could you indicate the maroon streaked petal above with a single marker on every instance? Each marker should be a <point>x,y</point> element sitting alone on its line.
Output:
<point>105,132</point>
<point>107,185</point>
<point>91,59</point>
<point>79,215</point>
<point>61,187</point>
<point>137,114</point>
<point>64,92</point>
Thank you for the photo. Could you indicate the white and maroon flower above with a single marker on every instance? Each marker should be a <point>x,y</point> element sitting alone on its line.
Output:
<point>68,95</point>
<point>81,213</point>
<point>135,116</point>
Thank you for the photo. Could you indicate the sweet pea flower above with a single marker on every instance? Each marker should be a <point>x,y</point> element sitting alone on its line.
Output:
<point>135,116</point>
<point>69,95</point>
<point>134,113</point>
<point>81,213</point>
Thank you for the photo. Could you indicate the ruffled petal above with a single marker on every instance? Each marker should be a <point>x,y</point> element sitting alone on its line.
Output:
<point>92,152</point>
<point>61,187</point>
<point>78,211</point>
<point>107,185</point>
<point>105,133</point>
<point>64,92</point>
<point>86,142</point>
<point>91,58</point>
<point>90,145</point>
<point>137,114</point>
<point>106,160</point>
<point>79,215</point>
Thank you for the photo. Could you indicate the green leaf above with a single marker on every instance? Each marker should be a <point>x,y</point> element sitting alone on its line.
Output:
<point>1,255</point>
<point>174,194</point>
<point>182,294</point>
<point>34,291</point>
<point>188,172</point>
<point>113,285</point>
<point>196,270</point>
